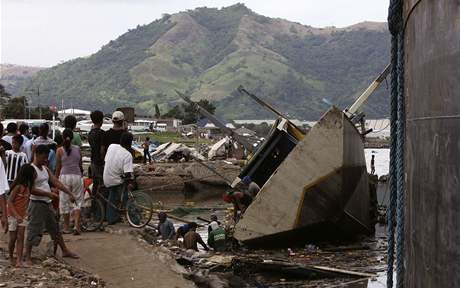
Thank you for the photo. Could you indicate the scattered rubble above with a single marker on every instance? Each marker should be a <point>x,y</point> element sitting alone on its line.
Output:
<point>176,152</point>
<point>322,265</point>
<point>48,273</point>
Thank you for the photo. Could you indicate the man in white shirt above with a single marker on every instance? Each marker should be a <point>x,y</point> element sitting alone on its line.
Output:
<point>11,129</point>
<point>117,170</point>
<point>29,143</point>
<point>3,189</point>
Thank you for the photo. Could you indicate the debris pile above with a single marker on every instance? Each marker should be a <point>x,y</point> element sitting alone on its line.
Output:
<point>322,265</point>
<point>49,273</point>
<point>176,152</point>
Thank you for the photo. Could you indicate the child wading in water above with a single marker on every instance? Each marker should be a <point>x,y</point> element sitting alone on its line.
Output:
<point>18,202</point>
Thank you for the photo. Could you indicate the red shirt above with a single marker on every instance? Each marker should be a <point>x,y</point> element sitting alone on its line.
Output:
<point>87,183</point>
<point>20,202</point>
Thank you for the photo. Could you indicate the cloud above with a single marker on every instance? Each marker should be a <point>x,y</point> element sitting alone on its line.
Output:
<point>46,32</point>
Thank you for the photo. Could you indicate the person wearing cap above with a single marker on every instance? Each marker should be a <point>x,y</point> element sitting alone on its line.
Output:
<point>213,220</point>
<point>217,237</point>
<point>253,189</point>
<point>113,135</point>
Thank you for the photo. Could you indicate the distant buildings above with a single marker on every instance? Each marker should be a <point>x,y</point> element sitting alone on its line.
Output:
<point>78,113</point>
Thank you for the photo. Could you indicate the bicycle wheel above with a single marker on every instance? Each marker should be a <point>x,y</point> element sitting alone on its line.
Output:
<point>92,216</point>
<point>139,210</point>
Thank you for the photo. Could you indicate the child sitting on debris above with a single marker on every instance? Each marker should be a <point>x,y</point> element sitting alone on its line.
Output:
<point>192,238</point>
<point>18,202</point>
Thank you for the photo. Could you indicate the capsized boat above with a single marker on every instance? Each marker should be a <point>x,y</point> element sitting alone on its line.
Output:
<point>312,185</point>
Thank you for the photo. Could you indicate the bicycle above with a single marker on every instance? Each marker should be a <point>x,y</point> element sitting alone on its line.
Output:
<point>138,209</point>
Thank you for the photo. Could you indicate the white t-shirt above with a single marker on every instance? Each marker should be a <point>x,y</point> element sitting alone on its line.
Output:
<point>8,138</point>
<point>3,180</point>
<point>28,148</point>
<point>118,161</point>
<point>41,183</point>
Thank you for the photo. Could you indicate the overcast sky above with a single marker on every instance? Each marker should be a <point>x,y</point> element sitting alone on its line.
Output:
<point>47,32</point>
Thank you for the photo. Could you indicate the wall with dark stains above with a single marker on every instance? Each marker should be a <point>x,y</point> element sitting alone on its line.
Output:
<point>432,76</point>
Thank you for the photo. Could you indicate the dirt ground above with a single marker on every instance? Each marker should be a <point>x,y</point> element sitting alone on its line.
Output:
<point>114,259</point>
<point>45,272</point>
<point>122,261</point>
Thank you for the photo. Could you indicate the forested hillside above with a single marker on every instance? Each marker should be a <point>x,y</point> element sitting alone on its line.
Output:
<point>209,52</point>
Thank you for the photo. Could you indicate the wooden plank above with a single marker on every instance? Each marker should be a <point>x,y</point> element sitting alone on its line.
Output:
<point>344,272</point>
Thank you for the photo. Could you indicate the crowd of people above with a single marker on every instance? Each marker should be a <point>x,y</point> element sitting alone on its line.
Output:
<point>42,181</point>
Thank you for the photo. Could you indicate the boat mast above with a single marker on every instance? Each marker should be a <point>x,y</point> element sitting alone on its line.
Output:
<point>227,131</point>
<point>356,106</point>
<point>266,105</point>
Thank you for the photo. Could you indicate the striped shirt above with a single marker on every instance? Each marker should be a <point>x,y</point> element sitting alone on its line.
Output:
<point>14,161</point>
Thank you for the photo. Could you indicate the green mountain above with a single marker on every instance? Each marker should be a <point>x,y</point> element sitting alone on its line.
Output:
<point>210,52</point>
<point>14,77</point>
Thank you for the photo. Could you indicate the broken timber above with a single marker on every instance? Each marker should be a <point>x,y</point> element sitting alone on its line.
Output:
<point>254,265</point>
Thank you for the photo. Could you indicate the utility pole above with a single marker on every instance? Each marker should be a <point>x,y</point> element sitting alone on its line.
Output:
<point>25,107</point>
<point>38,98</point>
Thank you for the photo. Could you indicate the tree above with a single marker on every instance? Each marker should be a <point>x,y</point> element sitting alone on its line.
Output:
<point>187,112</point>
<point>191,116</point>
<point>16,108</point>
<point>4,98</point>
<point>157,112</point>
<point>45,113</point>
<point>176,112</point>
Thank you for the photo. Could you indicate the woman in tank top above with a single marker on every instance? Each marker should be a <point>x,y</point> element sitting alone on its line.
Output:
<point>69,170</point>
